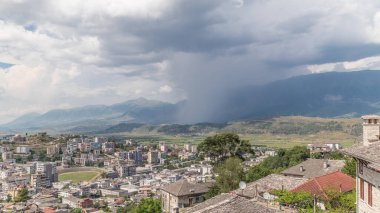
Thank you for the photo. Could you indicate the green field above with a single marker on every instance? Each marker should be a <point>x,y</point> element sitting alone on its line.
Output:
<point>77,177</point>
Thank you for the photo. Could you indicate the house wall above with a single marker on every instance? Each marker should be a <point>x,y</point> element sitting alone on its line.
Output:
<point>372,177</point>
<point>169,201</point>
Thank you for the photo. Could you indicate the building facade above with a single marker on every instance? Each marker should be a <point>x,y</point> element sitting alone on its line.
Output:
<point>367,158</point>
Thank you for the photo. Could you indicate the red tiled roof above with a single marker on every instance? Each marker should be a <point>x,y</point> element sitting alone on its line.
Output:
<point>49,210</point>
<point>335,181</point>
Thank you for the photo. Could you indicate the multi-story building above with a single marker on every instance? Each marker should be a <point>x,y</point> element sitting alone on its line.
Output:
<point>7,156</point>
<point>136,156</point>
<point>108,147</point>
<point>187,147</point>
<point>153,157</point>
<point>72,146</point>
<point>48,169</point>
<point>122,155</point>
<point>367,158</point>
<point>84,147</point>
<point>163,147</point>
<point>100,140</point>
<point>194,148</point>
<point>126,170</point>
<point>23,149</point>
<point>53,149</point>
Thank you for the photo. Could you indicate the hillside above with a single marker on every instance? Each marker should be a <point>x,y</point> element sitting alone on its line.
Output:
<point>327,95</point>
<point>282,132</point>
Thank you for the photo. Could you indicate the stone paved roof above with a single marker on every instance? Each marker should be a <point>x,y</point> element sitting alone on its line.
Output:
<point>273,181</point>
<point>232,204</point>
<point>183,187</point>
<point>368,153</point>
<point>314,168</point>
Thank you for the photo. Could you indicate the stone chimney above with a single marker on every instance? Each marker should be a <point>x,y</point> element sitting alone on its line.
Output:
<point>325,164</point>
<point>301,169</point>
<point>371,129</point>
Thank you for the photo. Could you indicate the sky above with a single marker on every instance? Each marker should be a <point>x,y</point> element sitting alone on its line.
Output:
<point>69,53</point>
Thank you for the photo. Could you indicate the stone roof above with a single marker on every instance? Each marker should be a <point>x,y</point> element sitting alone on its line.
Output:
<point>183,187</point>
<point>370,117</point>
<point>231,203</point>
<point>243,201</point>
<point>368,153</point>
<point>314,168</point>
<point>336,181</point>
<point>270,182</point>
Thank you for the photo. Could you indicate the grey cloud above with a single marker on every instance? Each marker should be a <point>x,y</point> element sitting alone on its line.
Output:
<point>210,46</point>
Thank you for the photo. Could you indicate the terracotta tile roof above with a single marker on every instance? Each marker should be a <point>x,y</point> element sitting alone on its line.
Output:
<point>336,181</point>
<point>314,168</point>
<point>183,187</point>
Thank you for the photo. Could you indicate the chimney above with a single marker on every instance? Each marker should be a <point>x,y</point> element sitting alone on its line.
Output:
<point>325,165</point>
<point>371,129</point>
<point>301,169</point>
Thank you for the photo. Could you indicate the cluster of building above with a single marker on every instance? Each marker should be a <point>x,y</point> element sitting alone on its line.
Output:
<point>138,171</point>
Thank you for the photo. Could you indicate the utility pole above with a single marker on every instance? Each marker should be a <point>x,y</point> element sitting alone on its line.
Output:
<point>314,204</point>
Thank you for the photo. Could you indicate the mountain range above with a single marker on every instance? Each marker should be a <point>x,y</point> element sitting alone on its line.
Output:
<point>333,94</point>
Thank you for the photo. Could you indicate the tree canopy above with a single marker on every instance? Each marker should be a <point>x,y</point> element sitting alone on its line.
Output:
<point>283,159</point>
<point>22,195</point>
<point>148,205</point>
<point>223,145</point>
<point>230,173</point>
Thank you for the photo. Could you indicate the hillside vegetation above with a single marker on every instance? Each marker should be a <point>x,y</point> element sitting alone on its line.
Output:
<point>284,132</point>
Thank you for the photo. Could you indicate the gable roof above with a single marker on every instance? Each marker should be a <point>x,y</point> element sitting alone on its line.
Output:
<point>230,203</point>
<point>239,201</point>
<point>336,181</point>
<point>368,153</point>
<point>183,187</point>
<point>270,182</point>
<point>314,168</point>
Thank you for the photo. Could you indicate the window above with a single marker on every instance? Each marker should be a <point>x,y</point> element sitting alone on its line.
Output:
<point>369,194</point>
<point>360,167</point>
<point>361,189</point>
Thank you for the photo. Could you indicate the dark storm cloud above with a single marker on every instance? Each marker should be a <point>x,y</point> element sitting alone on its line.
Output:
<point>201,48</point>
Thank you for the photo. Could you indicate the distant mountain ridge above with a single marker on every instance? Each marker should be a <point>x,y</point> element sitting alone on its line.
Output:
<point>334,94</point>
<point>138,110</point>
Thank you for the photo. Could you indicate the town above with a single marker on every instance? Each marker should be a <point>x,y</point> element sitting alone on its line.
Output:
<point>78,173</point>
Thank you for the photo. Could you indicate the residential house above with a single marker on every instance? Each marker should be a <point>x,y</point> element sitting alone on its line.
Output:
<point>367,158</point>
<point>322,186</point>
<point>314,168</point>
<point>182,194</point>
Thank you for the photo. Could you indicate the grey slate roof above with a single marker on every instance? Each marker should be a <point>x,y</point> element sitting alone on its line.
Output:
<point>314,168</point>
<point>232,204</point>
<point>273,181</point>
<point>368,153</point>
<point>183,187</point>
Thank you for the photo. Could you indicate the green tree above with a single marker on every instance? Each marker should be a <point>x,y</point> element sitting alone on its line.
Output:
<point>222,146</point>
<point>230,173</point>
<point>213,191</point>
<point>301,200</point>
<point>22,195</point>
<point>148,205</point>
<point>350,167</point>
<point>257,172</point>
<point>76,210</point>
<point>9,198</point>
